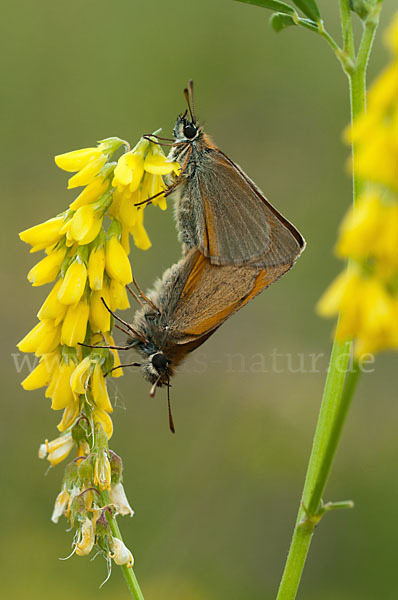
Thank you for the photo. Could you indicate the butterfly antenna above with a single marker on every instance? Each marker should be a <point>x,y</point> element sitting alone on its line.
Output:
<point>171,422</point>
<point>130,329</point>
<point>188,100</point>
<point>190,86</point>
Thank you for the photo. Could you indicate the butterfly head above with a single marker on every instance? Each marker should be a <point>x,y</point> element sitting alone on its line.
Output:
<point>186,130</point>
<point>157,369</point>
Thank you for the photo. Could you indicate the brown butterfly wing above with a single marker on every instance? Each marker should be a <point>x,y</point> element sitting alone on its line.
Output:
<point>237,225</point>
<point>210,295</point>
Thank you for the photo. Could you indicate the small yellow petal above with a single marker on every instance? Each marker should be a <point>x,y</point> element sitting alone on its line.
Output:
<point>118,372</point>
<point>69,416</point>
<point>88,173</point>
<point>52,308</point>
<point>75,324</point>
<point>62,394</point>
<point>118,296</point>
<point>102,417</point>
<point>47,269</point>
<point>77,159</point>
<point>73,284</point>
<point>91,192</point>
<point>100,317</point>
<point>86,224</point>
<point>45,234</point>
<point>99,391</point>
<point>80,376</point>
<point>96,267</point>
<point>116,261</point>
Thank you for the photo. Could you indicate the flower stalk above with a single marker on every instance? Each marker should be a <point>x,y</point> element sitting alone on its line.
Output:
<point>341,381</point>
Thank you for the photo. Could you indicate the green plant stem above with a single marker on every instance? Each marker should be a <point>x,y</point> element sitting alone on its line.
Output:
<point>340,385</point>
<point>128,573</point>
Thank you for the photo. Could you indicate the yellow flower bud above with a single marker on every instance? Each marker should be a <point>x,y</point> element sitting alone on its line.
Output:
<point>116,361</point>
<point>61,392</point>
<point>118,296</point>
<point>69,416</point>
<point>43,235</point>
<point>91,192</point>
<point>100,317</point>
<point>80,376</point>
<point>74,283</point>
<point>77,159</point>
<point>41,375</point>
<point>52,308</point>
<point>102,417</point>
<point>47,269</point>
<point>58,449</point>
<point>42,339</point>
<point>85,224</point>
<point>116,261</point>
<point>96,267</point>
<point>99,391</point>
<point>88,173</point>
<point>75,324</point>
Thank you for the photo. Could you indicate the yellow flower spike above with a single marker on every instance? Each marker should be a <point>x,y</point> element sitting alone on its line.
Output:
<point>91,192</point>
<point>69,416</point>
<point>80,376</point>
<point>77,159</point>
<point>156,162</point>
<point>116,360</point>
<point>96,267</point>
<point>102,417</point>
<point>86,538</point>
<point>116,261</point>
<point>118,297</point>
<point>52,307</point>
<point>100,317</point>
<point>61,392</point>
<point>75,324</point>
<point>86,224</point>
<point>42,374</point>
<point>99,391</point>
<point>42,339</point>
<point>43,235</point>
<point>102,471</point>
<point>88,173</point>
<point>47,269</point>
<point>74,283</point>
<point>57,450</point>
<point>140,236</point>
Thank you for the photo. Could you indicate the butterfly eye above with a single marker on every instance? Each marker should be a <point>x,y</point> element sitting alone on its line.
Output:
<point>159,361</point>
<point>190,131</point>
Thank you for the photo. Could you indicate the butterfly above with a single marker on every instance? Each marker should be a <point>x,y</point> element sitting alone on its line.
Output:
<point>219,209</point>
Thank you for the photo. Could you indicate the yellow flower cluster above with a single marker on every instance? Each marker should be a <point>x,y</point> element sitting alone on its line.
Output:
<point>366,295</point>
<point>87,251</point>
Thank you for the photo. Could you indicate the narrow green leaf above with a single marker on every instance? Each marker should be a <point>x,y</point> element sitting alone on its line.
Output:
<point>309,8</point>
<point>280,7</point>
<point>280,21</point>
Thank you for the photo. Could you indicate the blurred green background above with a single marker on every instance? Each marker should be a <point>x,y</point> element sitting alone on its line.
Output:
<point>215,504</point>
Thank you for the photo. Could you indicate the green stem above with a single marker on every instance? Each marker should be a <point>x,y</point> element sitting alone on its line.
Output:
<point>340,385</point>
<point>128,573</point>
